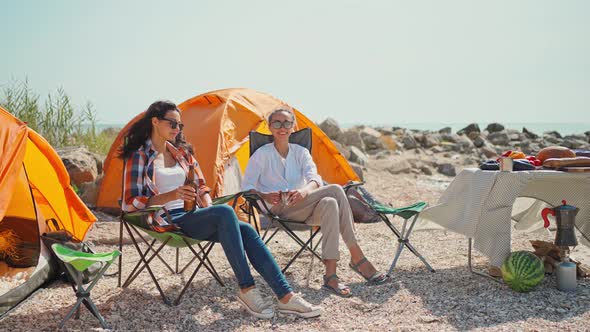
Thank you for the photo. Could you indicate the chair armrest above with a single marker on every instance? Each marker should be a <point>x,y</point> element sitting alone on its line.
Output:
<point>140,218</point>
<point>352,184</point>
<point>248,195</point>
<point>149,209</point>
<point>253,199</point>
<point>227,198</point>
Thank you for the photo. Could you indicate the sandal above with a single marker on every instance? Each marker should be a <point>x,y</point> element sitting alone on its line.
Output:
<point>376,279</point>
<point>342,290</point>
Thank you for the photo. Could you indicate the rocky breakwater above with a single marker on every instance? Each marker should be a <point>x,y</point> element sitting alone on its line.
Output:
<point>85,170</point>
<point>393,149</point>
<point>403,150</point>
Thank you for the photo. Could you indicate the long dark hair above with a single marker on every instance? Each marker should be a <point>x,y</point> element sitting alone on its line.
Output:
<point>141,131</point>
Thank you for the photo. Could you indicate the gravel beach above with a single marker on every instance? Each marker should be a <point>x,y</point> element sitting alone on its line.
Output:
<point>414,300</point>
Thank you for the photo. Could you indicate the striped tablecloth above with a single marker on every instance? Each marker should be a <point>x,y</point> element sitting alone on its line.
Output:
<point>478,204</point>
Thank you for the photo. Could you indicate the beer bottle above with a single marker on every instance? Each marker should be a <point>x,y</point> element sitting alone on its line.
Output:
<point>189,205</point>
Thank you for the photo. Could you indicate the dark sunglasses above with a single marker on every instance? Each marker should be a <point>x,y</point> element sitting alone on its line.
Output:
<point>174,124</point>
<point>284,124</point>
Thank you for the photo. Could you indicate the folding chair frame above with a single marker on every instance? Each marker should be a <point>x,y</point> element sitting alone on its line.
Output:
<point>403,236</point>
<point>83,294</point>
<point>144,262</point>
<point>404,241</point>
<point>284,224</point>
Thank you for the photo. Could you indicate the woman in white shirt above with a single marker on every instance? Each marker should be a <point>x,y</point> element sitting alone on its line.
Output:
<point>283,167</point>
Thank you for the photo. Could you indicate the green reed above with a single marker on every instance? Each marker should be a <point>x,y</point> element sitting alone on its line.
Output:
<point>58,120</point>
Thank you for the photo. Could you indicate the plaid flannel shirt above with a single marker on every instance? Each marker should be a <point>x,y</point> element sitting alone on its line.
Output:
<point>139,184</point>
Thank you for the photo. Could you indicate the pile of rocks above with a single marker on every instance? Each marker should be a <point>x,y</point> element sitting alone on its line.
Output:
<point>443,148</point>
<point>397,150</point>
<point>85,169</point>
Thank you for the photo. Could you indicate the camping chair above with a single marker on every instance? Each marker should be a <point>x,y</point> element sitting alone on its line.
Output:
<point>406,213</point>
<point>137,221</point>
<point>76,262</point>
<point>303,138</point>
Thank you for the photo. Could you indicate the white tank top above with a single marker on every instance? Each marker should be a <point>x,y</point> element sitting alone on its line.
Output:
<point>168,179</point>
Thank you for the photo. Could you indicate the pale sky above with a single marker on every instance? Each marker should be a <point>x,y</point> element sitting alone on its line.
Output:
<point>356,61</point>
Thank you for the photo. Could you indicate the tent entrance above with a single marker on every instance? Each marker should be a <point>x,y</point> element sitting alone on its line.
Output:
<point>19,228</point>
<point>20,244</point>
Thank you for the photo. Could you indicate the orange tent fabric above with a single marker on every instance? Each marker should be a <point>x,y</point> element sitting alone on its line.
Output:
<point>217,124</point>
<point>28,164</point>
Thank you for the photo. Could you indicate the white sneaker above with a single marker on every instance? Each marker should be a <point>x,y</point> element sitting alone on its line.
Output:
<point>255,304</point>
<point>298,306</point>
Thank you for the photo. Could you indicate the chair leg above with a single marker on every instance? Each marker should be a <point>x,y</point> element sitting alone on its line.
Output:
<point>251,216</point>
<point>267,240</point>
<point>120,270</point>
<point>71,312</point>
<point>146,264</point>
<point>318,243</point>
<point>403,241</point>
<point>177,254</point>
<point>205,258</point>
<point>83,295</point>
<point>151,248</point>
<point>209,247</point>
<point>305,246</point>
<point>138,264</point>
<point>481,274</point>
<point>77,316</point>
<point>187,265</point>
<point>90,306</point>
<point>142,264</point>
<point>299,241</point>
<point>96,313</point>
<point>202,262</point>
<point>210,244</point>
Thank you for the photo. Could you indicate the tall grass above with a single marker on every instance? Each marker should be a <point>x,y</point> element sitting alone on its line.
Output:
<point>57,120</point>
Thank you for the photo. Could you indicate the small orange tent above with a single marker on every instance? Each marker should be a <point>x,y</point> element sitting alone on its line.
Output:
<point>34,187</point>
<point>217,124</point>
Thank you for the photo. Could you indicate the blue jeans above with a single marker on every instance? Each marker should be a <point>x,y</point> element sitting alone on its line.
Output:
<point>219,223</point>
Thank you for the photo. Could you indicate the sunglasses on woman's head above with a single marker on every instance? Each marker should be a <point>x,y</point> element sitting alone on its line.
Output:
<point>282,124</point>
<point>174,124</point>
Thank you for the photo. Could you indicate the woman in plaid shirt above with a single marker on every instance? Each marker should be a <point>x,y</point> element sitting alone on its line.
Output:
<point>157,159</point>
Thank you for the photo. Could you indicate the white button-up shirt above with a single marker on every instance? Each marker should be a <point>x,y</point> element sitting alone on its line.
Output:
<point>268,171</point>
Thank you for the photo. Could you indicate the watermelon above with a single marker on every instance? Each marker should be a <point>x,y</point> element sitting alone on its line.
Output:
<point>522,271</point>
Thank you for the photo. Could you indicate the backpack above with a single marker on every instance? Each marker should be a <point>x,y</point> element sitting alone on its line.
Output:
<point>362,211</point>
<point>65,238</point>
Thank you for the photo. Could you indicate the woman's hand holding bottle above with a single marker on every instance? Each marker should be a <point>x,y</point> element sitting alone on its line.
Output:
<point>185,192</point>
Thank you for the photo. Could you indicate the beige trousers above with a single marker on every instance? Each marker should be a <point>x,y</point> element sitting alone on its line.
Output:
<point>328,208</point>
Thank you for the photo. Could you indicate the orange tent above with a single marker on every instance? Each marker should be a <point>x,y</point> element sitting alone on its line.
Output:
<point>217,124</point>
<point>34,187</point>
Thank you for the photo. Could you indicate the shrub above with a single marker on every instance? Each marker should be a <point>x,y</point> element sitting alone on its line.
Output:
<point>58,121</point>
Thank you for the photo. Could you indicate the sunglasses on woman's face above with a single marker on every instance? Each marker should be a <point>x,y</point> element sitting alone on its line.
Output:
<point>174,124</point>
<point>282,124</point>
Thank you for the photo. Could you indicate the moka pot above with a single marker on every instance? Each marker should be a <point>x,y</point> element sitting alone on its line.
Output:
<point>565,216</point>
